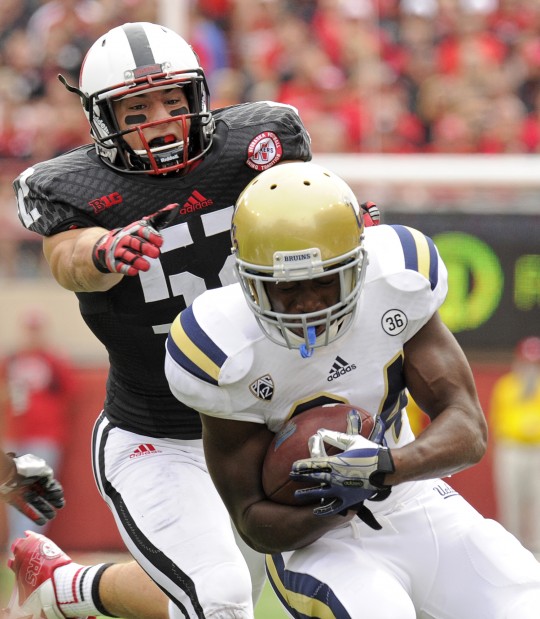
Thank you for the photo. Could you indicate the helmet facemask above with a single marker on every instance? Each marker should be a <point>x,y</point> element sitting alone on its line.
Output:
<point>283,328</point>
<point>154,157</point>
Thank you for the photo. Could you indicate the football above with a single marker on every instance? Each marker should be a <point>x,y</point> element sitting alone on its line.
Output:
<point>290,443</point>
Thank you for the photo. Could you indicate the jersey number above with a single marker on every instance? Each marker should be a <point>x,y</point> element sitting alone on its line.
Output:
<point>154,281</point>
<point>26,216</point>
<point>158,286</point>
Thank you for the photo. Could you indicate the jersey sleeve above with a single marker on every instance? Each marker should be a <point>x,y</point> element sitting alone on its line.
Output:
<point>413,272</point>
<point>206,357</point>
<point>267,122</point>
<point>39,211</point>
<point>297,142</point>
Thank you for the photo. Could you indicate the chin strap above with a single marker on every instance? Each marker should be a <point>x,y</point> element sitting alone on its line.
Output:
<point>307,351</point>
<point>366,515</point>
<point>85,100</point>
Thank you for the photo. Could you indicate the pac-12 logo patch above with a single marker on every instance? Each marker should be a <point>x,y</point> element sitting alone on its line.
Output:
<point>394,322</point>
<point>263,387</point>
<point>264,151</point>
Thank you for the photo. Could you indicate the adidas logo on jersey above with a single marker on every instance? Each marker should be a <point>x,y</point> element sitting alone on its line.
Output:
<point>339,368</point>
<point>195,202</point>
<point>144,450</point>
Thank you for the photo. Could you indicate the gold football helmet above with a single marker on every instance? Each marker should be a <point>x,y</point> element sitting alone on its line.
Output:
<point>293,222</point>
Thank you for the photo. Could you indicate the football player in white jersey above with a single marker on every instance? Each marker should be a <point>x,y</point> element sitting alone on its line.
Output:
<point>318,294</point>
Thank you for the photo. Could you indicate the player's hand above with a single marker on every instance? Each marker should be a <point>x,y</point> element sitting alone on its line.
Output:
<point>349,478</point>
<point>125,250</point>
<point>371,213</point>
<point>33,490</point>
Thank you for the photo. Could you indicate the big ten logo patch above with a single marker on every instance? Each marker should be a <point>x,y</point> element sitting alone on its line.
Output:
<point>105,202</point>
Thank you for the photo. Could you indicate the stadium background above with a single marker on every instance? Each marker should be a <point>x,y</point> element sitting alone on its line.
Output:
<point>430,108</point>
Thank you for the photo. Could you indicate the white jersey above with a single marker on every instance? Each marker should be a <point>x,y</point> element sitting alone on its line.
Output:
<point>435,556</point>
<point>220,363</point>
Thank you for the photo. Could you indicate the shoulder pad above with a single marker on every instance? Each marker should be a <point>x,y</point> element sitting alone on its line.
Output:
<point>206,344</point>
<point>407,264</point>
<point>403,250</point>
<point>259,113</point>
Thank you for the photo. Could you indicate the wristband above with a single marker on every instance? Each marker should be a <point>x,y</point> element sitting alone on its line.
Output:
<point>385,464</point>
<point>100,266</point>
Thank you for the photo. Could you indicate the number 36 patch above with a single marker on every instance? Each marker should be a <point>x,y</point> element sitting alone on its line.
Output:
<point>394,321</point>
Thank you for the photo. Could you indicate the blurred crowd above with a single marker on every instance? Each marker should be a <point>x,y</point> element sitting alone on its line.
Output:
<point>392,76</point>
<point>368,76</point>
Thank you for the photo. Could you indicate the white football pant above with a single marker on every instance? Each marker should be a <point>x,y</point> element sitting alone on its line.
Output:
<point>436,557</point>
<point>174,523</point>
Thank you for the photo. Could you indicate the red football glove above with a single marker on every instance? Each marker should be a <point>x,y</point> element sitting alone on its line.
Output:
<point>372,215</point>
<point>33,490</point>
<point>123,250</point>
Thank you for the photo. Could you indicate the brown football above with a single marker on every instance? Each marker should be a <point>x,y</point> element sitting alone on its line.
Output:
<point>291,443</point>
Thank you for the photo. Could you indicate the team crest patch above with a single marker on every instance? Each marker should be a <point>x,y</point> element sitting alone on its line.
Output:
<point>263,387</point>
<point>264,151</point>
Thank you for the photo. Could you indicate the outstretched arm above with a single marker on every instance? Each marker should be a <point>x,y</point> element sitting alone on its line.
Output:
<point>69,255</point>
<point>95,259</point>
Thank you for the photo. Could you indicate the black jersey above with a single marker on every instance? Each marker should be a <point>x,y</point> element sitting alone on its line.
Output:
<point>132,319</point>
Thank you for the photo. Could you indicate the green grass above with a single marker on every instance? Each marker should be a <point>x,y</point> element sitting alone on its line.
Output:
<point>267,608</point>
<point>6,580</point>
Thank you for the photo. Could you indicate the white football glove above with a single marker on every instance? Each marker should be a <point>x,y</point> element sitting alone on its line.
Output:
<point>349,478</point>
<point>33,490</point>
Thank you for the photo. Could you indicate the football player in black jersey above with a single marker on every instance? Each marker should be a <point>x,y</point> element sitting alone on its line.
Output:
<point>137,225</point>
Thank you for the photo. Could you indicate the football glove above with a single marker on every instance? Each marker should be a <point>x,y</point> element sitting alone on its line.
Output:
<point>349,478</point>
<point>371,213</point>
<point>124,250</point>
<point>33,490</point>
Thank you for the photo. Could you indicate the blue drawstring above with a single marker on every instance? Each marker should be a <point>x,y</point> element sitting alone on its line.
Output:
<point>306,351</point>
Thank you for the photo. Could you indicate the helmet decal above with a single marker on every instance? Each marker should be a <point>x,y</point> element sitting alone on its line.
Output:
<point>141,49</point>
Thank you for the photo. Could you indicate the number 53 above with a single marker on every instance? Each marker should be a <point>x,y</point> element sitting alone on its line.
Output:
<point>185,284</point>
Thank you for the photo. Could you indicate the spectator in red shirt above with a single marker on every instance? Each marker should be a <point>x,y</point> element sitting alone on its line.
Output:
<point>35,390</point>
